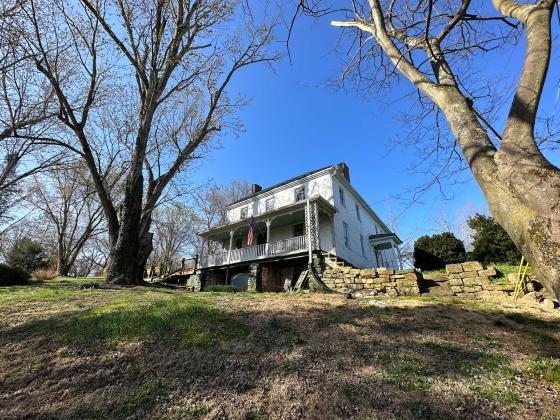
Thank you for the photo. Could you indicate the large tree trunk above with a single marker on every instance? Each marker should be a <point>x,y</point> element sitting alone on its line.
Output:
<point>522,189</point>
<point>534,230</point>
<point>124,252</point>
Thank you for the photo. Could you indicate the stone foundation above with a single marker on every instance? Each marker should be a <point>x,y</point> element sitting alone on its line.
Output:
<point>372,281</point>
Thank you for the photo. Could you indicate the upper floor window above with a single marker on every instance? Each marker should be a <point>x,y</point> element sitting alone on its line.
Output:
<point>244,212</point>
<point>298,230</point>
<point>346,234</point>
<point>269,204</point>
<point>362,245</point>
<point>300,193</point>
<point>358,215</point>
<point>341,195</point>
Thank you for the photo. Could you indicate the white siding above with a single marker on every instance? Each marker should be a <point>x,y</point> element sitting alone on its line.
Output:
<point>366,227</point>
<point>327,186</point>
<point>285,195</point>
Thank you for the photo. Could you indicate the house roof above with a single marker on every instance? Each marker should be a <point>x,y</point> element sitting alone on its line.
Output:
<point>264,190</point>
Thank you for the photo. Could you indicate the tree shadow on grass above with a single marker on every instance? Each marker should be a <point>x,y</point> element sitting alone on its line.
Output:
<point>190,358</point>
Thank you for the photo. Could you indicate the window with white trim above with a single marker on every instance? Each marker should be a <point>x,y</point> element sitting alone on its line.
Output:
<point>358,215</point>
<point>362,245</point>
<point>269,204</point>
<point>346,234</point>
<point>341,196</point>
<point>299,193</point>
<point>244,212</point>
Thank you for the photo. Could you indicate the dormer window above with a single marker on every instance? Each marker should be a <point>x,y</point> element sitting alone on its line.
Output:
<point>269,204</point>
<point>341,196</point>
<point>300,193</point>
<point>244,212</point>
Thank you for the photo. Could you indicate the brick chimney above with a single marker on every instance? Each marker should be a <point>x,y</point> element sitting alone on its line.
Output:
<point>255,188</point>
<point>343,168</point>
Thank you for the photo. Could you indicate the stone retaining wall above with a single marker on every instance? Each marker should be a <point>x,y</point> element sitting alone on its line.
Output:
<point>468,279</point>
<point>471,279</point>
<point>372,281</point>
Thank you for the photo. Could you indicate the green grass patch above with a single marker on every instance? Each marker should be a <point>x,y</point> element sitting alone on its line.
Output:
<point>548,369</point>
<point>405,372</point>
<point>457,359</point>
<point>124,403</point>
<point>291,367</point>
<point>193,411</point>
<point>502,271</point>
<point>502,393</point>
<point>531,321</point>
<point>430,273</point>
<point>178,321</point>
<point>421,298</point>
<point>220,288</point>
<point>407,382</point>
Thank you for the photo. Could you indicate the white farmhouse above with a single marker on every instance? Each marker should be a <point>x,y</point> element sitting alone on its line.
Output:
<point>311,217</point>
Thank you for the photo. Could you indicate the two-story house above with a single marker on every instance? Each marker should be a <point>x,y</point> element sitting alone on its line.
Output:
<point>315,214</point>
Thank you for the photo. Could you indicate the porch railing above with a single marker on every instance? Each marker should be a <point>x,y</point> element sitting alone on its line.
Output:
<point>284,246</point>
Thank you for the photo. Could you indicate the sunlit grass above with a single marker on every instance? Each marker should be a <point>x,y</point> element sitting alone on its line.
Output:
<point>181,321</point>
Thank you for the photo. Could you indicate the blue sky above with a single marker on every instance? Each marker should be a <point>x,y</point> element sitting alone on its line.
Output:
<point>296,122</point>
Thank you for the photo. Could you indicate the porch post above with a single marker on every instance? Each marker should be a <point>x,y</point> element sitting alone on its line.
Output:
<point>231,233</point>
<point>268,223</point>
<point>397,255</point>
<point>308,228</point>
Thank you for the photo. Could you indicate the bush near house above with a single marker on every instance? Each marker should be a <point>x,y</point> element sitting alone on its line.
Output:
<point>434,252</point>
<point>11,276</point>
<point>491,243</point>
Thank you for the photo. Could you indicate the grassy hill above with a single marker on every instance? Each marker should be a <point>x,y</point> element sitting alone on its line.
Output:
<point>158,352</point>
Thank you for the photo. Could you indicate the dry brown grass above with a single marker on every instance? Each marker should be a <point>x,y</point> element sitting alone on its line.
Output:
<point>146,352</point>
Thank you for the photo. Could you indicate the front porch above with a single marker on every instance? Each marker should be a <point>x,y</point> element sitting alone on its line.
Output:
<point>285,247</point>
<point>282,232</point>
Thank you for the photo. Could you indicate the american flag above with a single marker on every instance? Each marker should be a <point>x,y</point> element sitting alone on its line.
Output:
<point>250,235</point>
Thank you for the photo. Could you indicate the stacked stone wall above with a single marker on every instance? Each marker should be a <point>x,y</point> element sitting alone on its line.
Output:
<point>472,279</point>
<point>372,281</point>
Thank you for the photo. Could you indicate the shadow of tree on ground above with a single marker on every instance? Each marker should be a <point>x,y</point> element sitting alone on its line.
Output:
<point>243,356</point>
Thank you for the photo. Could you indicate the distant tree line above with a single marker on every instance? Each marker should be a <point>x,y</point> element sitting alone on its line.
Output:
<point>490,242</point>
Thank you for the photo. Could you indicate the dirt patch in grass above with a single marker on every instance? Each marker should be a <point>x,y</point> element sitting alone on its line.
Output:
<point>136,353</point>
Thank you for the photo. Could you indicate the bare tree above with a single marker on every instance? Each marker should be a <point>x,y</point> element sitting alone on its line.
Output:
<point>26,111</point>
<point>69,204</point>
<point>175,228</point>
<point>433,44</point>
<point>210,204</point>
<point>175,61</point>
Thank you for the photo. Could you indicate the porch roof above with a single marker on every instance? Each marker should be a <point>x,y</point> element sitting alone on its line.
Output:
<point>383,238</point>
<point>261,217</point>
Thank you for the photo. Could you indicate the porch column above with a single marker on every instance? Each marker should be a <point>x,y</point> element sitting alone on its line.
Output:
<point>231,233</point>
<point>266,247</point>
<point>312,227</point>
<point>397,255</point>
